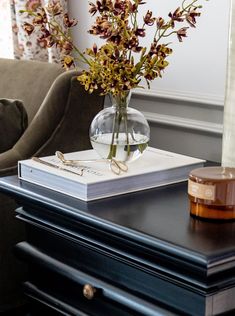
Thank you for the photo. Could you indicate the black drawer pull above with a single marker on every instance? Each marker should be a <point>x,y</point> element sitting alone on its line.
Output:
<point>89,291</point>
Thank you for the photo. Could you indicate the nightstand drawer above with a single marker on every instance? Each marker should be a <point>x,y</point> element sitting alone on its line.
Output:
<point>52,281</point>
<point>93,256</point>
<point>122,263</point>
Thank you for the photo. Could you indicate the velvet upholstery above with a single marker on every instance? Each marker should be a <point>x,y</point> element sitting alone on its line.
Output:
<point>59,114</point>
<point>13,122</point>
<point>27,82</point>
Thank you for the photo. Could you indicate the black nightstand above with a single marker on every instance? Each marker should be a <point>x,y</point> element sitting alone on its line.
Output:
<point>135,254</point>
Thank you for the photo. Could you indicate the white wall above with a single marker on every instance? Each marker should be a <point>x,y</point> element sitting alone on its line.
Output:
<point>197,66</point>
<point>190,96</point>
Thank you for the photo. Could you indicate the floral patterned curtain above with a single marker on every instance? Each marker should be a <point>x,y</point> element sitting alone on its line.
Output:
<point>29,47</point>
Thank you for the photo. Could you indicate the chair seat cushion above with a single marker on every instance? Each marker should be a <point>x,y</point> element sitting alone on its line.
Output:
<point>13,122</point>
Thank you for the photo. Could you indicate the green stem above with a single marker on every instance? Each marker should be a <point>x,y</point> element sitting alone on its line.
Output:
<point>160,34</point>
<point>184,9</point>
<point>119,117</point>
<point>135,14</point>
<point>113,148</point>
<point>189,5</point>
<point>169,34</point>
<point>59,29</point>
<point>127,134</point>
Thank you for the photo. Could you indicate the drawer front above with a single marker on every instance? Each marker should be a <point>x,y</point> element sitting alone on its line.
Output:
<point>52,300</point>
<point>106,263</point>
<point>44,303</point>
<point>80,290</point>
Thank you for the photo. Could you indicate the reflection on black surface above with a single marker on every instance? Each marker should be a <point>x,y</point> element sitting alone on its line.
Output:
<point>162,213</point>
<point>211,234</point>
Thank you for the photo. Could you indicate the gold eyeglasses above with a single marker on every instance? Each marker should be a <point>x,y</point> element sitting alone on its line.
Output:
<point>116,166</point>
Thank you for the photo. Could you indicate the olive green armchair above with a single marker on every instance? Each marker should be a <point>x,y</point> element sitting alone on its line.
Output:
<point>59,113</point>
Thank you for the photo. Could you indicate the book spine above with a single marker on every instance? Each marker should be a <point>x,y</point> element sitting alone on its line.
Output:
<point>50,181</point>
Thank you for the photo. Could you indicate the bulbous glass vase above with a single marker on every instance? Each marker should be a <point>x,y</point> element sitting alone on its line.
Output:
<point>120,132</point>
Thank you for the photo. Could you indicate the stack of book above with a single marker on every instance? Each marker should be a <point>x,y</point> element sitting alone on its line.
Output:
<point>155,168</point>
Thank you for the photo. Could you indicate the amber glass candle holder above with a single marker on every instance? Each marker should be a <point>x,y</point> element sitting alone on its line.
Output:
<point>211,193</point>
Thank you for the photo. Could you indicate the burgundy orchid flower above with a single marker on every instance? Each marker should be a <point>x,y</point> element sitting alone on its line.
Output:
<point>182,33</point>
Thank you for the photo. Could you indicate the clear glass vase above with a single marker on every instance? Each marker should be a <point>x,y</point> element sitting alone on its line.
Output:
<point>120,132</point>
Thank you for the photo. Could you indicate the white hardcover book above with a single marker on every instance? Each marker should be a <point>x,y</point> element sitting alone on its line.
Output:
<point>155,168</point>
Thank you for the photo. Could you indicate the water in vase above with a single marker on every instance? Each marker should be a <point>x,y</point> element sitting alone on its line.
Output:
<point>137,144</point>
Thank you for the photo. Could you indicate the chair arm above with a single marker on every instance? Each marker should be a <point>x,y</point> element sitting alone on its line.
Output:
<point>43,123</point>
<point>8,162</point>
<point>62,123</point>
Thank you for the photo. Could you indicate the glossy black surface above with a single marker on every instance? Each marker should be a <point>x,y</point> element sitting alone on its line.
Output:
<point>162,213</point>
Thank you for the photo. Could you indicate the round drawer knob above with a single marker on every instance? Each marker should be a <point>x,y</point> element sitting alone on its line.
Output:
<point>89,291</point>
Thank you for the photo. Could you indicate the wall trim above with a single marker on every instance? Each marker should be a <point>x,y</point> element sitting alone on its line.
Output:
<point>184,123</point>
<point>184,96</point>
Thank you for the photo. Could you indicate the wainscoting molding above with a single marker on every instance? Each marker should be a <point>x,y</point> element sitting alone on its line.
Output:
<point>186,96</point>
<point>182,122</point>
<point>185,123</point>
